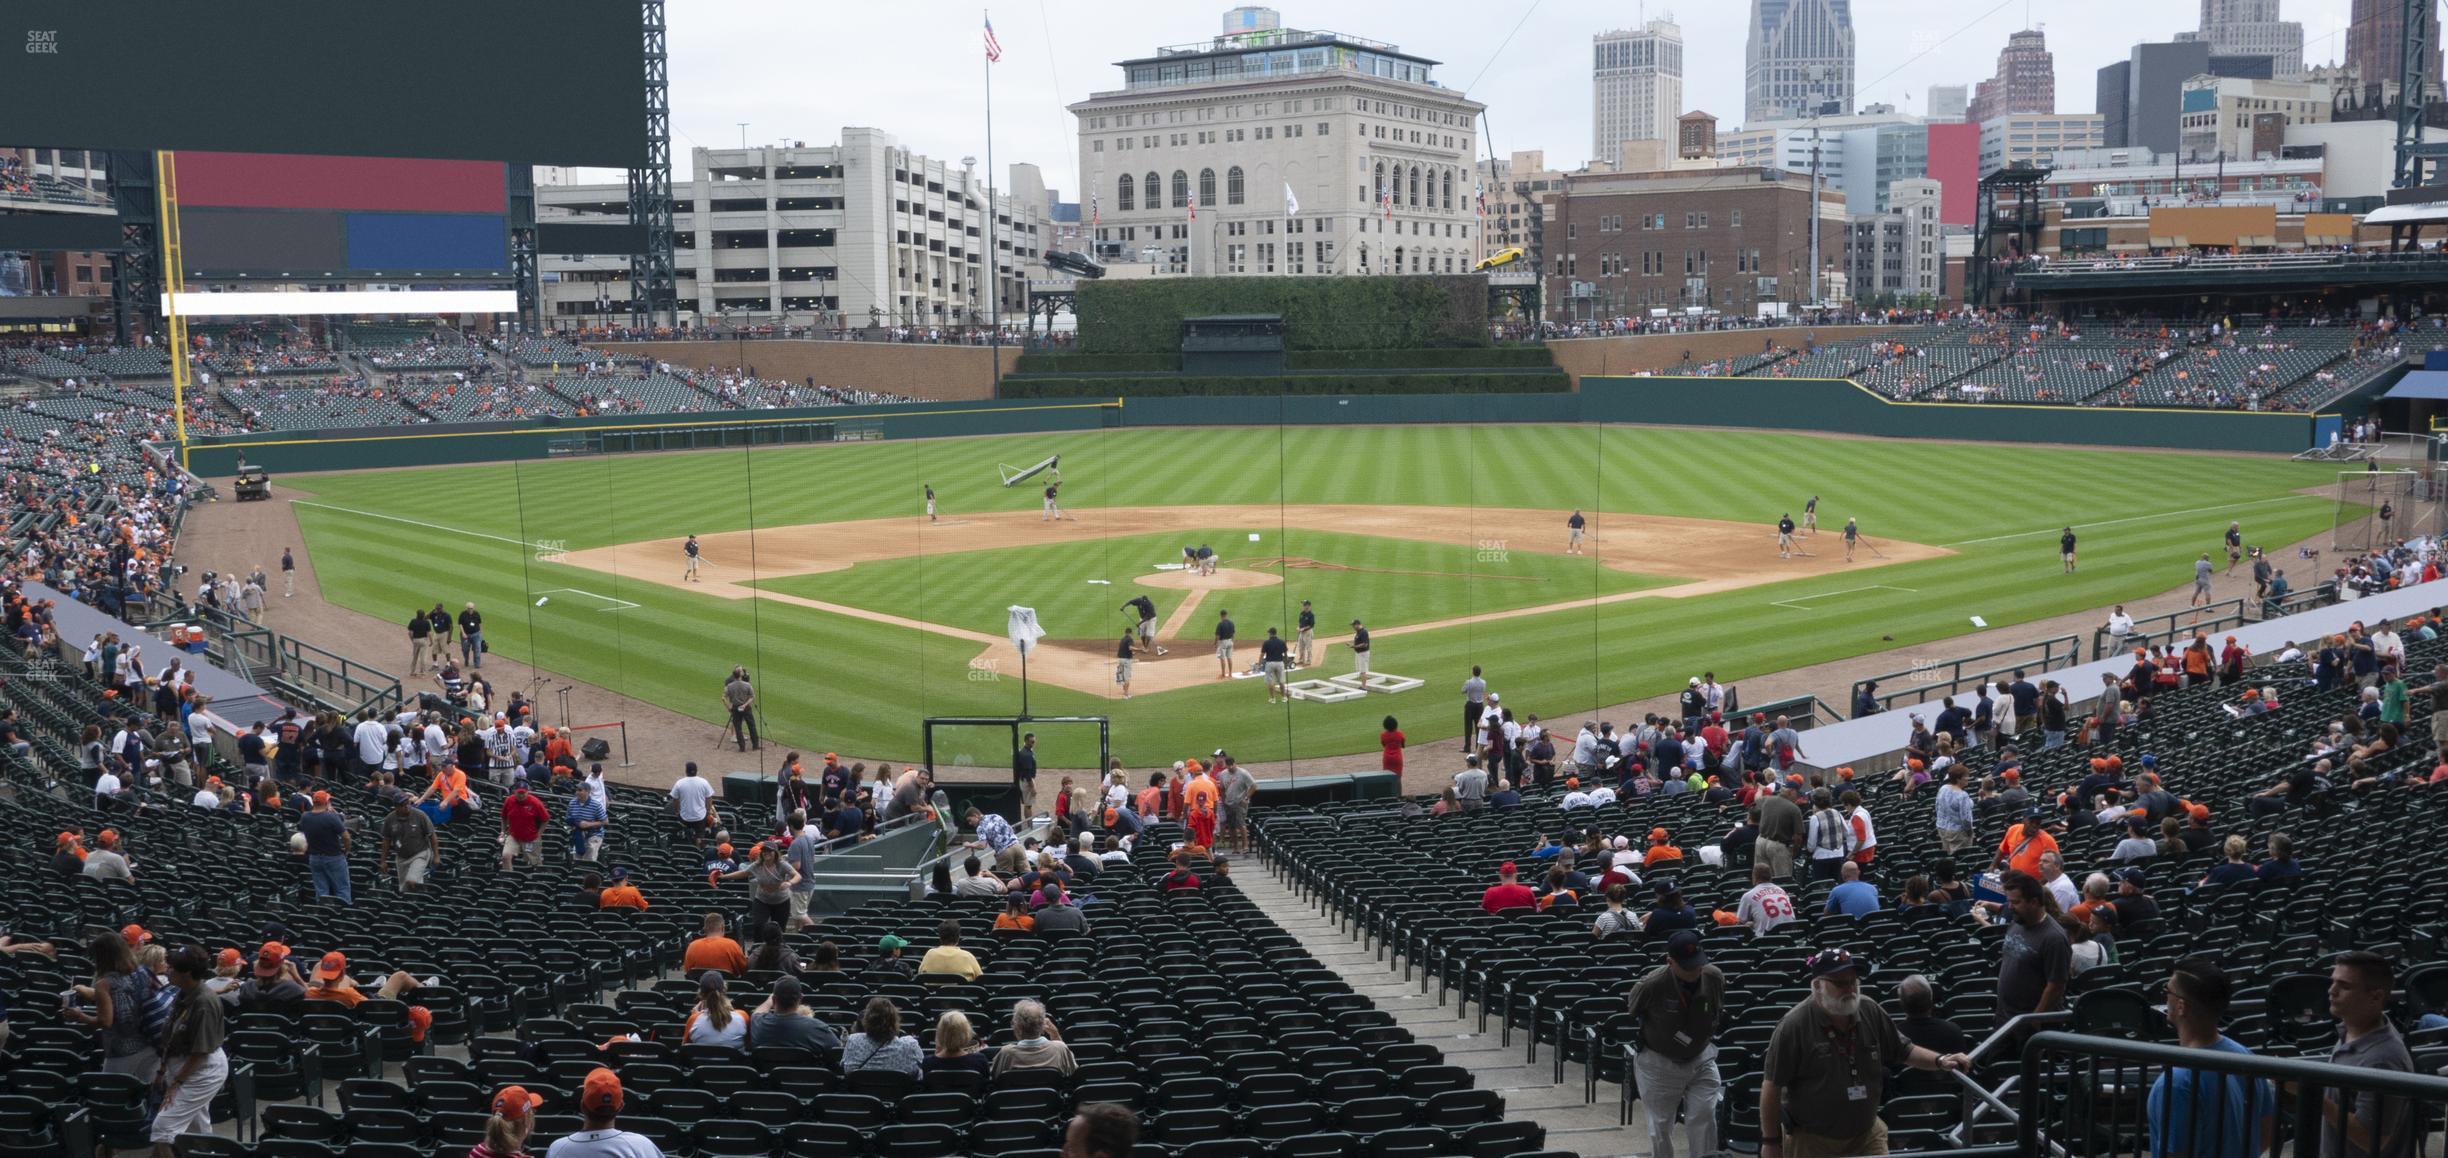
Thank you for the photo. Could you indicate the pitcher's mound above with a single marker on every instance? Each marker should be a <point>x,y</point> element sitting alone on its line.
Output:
<point>1223,580</point>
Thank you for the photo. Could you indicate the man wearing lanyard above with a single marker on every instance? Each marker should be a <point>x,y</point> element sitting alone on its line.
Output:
<point>1826,1067</point>
<point>1678,1004</point>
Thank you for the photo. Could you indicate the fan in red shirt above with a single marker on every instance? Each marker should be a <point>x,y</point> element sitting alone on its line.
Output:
<point>523,818</point>
<point>1507,892</point>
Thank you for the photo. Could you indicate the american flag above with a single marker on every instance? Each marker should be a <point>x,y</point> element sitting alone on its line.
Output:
<point>1194,207</point>
<point>1092,210</point>
<point>994,47</point>
<point>1385,194</point>
<point>1482,195</point>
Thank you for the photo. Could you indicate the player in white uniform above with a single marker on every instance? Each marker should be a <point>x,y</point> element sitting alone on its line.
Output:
<point>1051,511</point>
<point>930,501</point>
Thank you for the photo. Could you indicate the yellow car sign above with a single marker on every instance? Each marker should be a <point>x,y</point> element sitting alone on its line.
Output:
<point>1499,259</point>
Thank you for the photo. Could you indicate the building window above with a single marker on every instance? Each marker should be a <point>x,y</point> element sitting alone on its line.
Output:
<point>1122,193</point>
<point>1152,187</point>
<point>1207,186</point>
<point>1181,188</point>
<point>1737,219</point>
<point>1232,186</point>
<point>1414,202</point>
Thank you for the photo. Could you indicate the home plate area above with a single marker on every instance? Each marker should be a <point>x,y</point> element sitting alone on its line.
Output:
<point>1351,686</point>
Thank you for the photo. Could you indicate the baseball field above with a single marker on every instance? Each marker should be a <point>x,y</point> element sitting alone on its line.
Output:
<point>858,615</point>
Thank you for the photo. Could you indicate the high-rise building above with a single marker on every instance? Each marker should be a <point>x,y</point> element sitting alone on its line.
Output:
<point>1272,150</point>
<point>2375,44</point>
<point>2242,120</point>
<point>1895,254</point>
<point>1798,59</point>
<point>2035,138</point>
<point>1949,102</point>
<point>2252,28</point>
<point>2139,98</point>
<point>861,233</point>
<point>2026,80</point>
<point>1636,86</point>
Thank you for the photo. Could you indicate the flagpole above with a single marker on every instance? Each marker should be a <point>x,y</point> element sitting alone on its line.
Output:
<point>994,276</point>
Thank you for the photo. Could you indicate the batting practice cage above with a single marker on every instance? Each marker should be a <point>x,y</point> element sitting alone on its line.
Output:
<point>2375,507</point>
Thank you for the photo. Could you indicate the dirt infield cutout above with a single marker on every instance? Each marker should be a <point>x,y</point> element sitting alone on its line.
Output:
<point>1713,554</point>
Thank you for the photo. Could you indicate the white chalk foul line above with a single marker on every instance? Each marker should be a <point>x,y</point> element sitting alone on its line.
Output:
<point>412,522</point>
<point>623,604</point>
<point>1797,604</point>
<point>2059,529</point>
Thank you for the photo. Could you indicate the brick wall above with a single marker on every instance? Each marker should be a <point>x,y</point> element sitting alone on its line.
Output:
<point>942,373</point>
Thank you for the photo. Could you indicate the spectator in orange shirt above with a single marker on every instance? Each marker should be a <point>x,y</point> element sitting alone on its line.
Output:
<point>620,894</point>
<point>1151,798</point>
<point>1661,849</point>
<point>1199,809</point>
<point>449,789</point>
<point>331,982</point>
<point>1015,916</point>
<point>714,950</point>
<point>2024,845</point>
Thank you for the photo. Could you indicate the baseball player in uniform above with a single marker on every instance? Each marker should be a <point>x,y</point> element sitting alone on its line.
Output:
<point>1146,608</point>
<point>1810,515</point>
<point>1574,525</point>
<point>1051,511</point>
<point>1307,635</point>
<point>1123,662</point>
<point>1272,652</point>
<point>930,501</point>
<point>1360,648</point>
<point>1852,534</point>
<point>1224,644</point>
<point>689,549</point>
<point>1785,530</point>
<point>1206,559</point>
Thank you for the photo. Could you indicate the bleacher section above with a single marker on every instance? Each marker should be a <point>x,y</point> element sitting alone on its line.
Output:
<point>448,400</point>
<point>2370,880</point>
<point>129,363</point>
<point>312,409</point>
<point>651,394</point>
<point>554,351</point>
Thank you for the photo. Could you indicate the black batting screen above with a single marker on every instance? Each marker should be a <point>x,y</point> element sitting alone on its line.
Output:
<point>536,81</point>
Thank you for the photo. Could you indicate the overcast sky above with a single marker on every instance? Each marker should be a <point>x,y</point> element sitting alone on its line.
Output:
<point>796,70</point>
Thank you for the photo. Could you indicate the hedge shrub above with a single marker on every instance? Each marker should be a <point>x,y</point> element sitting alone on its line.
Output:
<point>1322,313</point>
<point>1489,357</point>
<point>1266,386</point>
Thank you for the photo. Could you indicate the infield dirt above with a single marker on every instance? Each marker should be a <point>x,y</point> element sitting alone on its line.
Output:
<point>1712,555</point>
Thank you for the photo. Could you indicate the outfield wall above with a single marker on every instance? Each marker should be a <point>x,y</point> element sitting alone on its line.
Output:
<point>1819,405</point>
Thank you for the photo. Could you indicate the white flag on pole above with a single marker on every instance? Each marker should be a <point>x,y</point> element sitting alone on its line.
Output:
<point>1023,628</point>
<point>1291,203</point>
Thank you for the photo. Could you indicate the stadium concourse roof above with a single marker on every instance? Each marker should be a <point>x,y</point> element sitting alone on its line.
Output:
<point>2422,213</point>
<point>1866,740</point>
<point>2427,384</point>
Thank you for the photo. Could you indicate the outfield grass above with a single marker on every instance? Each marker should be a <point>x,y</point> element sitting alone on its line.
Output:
<point>453,534</point>
<point>1396,581</point>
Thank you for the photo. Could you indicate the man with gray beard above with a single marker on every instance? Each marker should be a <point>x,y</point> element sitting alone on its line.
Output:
<point>1826,1067</point>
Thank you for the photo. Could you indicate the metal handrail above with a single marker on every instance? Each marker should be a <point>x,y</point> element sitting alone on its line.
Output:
<point>2177,623</point>
<point>2309,1079</point>
<point>1923,680</point>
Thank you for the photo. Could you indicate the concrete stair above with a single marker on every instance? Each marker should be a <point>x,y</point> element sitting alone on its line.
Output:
<point>1530,1090</point>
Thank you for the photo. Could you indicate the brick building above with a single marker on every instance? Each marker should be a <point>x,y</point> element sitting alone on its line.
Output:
<point>1623,244</point>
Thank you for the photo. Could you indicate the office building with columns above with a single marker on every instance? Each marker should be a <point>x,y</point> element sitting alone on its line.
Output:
<point>1274,151</point>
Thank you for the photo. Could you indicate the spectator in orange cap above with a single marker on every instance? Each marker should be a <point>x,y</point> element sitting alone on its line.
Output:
<point>1661,850</point>
<point>331,982</point>
<point>513,1119</point>
<point>599,1104</point>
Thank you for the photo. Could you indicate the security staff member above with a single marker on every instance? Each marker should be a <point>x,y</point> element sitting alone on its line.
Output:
<point>1678,1004</point>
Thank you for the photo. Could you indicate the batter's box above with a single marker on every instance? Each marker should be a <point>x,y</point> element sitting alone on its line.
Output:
<point>1325,691</point>
<point>1378,681</point>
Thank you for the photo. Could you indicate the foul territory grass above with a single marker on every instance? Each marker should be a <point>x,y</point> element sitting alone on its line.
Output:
<point>385,542</point>
<point>1376,580</point>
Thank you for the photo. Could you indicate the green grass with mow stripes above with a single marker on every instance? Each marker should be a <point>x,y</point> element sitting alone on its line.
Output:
<point>1394,581</point>
<point>384,542</point>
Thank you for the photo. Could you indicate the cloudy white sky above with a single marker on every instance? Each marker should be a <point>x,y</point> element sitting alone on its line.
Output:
<point>801,69</point>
